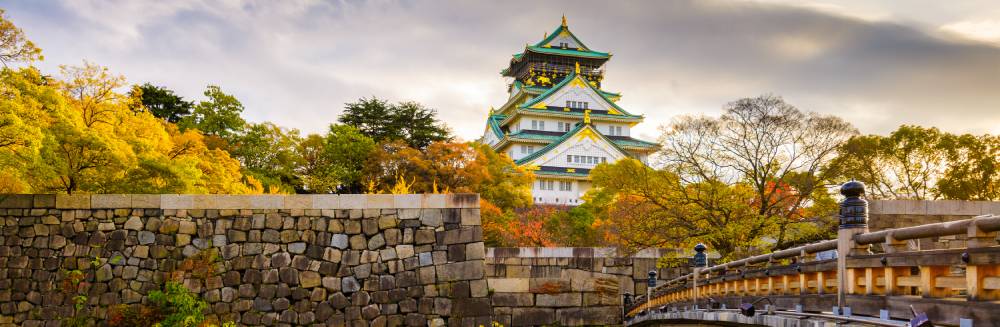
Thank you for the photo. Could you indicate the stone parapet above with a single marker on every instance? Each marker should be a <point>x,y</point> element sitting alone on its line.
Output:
<point>339,260</point>
<point>890,214</point>
<point>218,201</point>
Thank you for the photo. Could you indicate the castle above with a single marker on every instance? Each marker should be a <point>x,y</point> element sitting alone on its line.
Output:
<point>558,121</point>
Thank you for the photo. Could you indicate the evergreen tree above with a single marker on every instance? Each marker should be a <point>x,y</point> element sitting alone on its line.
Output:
<point>162,102</point>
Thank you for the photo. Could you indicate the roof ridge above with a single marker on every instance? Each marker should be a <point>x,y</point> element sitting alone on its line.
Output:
<point>569,77</point>
<point>562,139</point>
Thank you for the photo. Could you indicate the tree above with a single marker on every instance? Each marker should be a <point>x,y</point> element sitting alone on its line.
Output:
<point>641,207</point>
<point>451,168</point>
<point>382,121</point>
<point>14,45</point>
<point>162,102</point>
<point>763,142</point>
<point>973,168</point>
<point>903,165</point>
<point>24,102</point>
<point>268,152</point>
<point>333,163</point>
<point>218,116</point>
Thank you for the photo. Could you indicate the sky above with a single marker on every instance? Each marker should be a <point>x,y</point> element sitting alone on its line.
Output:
<point>877,64</point>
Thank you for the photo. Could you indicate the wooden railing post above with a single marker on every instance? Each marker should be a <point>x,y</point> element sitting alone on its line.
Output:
<point>982,280</point>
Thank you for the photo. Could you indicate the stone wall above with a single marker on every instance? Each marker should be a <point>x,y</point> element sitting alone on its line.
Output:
<point>355,260</point>
<point>567,286</point>
<point>888,214</point>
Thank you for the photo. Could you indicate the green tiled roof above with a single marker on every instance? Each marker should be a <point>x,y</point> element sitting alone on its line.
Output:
<point>494,122</point>
<point>562,139</point>
<point>562,84</point>
<point>620,141</point>
<point>542,89</point>
<point>568,52</point>
<point>560,173</point>
<point>636,143</point>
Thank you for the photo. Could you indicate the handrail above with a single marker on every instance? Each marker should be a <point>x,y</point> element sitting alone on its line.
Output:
<point>863,278</point>
<point>988,223</point>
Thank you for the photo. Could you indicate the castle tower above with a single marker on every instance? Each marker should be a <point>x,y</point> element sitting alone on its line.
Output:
<point>558,121</point>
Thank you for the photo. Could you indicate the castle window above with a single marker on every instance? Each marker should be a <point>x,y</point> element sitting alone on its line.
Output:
<point>534,124</point>
<point>541,125</point>
<point>618,130</point>
<point>569,158</point>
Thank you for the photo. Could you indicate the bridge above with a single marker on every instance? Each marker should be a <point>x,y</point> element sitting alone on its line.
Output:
<point>878,278</point>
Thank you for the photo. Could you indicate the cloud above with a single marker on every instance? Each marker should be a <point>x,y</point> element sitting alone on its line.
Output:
<point>296,63</point>
<point>982,30</point>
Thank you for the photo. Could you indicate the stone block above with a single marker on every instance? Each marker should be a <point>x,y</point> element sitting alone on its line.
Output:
<point>513,299</point>
<point>324,201</point>
<point>467,270</point>
<point>353,201</point>
<point>407,201</point>
<point>903,207</point>
<point>518,271</point>
<point>16,201</point>
<point>462,200</point>
<point>379,201</point>
<point>432,201</point>
<point>177,201</point>
<point>297,201</point>
<point>532,317</point>
<point>601,298</point>
<point>44,201</point>
<point>509,285</point>
<point>471,307</point>
<point>549,285</point>
<point>609,315</point>
<point>955,208</point>
<point>349,285</point>
<point>110,201</point>
<point>145,201</point>
<point>404,251</point>
<point>339,241</point>
<point>559,300</point>
<point>475,251</point>
<point>72,201</point>
<point>309,279</point>
<point>268,201</point>
<point>471,217</point>
<point>134,223</point>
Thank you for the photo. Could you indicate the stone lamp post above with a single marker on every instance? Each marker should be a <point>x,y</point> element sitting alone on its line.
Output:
<point>700,261</point>
<point>853,221</point>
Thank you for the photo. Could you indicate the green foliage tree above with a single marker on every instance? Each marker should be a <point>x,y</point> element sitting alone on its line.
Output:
<point>333,163</point>
<point>269,153</point>
<point>14,45</point>
<point>973,171</point>
<point>916,162</point>
<point>218,115</point>
<point>23,103</point>
<point>411,122</point>
<point>162,102</point>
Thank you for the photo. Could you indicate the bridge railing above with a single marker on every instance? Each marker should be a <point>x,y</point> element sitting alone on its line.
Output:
<point>879,274</point>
